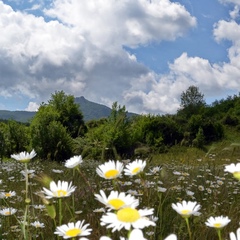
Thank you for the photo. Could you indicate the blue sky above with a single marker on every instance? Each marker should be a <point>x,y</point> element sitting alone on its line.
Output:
<point>141,53</point>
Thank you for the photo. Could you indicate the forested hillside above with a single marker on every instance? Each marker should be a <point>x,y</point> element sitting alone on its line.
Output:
<point>90,111</point>
<point>58,130</point>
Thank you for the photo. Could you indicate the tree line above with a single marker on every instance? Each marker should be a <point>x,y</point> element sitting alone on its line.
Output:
<point>58,131</point>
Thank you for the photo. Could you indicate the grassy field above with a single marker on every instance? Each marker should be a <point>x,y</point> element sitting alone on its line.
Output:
<point>187,174</point>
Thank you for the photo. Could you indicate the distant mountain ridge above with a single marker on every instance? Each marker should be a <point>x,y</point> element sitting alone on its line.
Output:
<point>90,111</point>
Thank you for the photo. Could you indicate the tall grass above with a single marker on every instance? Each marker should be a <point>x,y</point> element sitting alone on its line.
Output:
<point>201,179</point>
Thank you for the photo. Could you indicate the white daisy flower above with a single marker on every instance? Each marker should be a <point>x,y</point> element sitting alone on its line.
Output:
<point>72,230</point>
<point>161,189</point>
<point>126,218</point>
<point>138,234</point>
<point>135,167</point>
<point>59,190</point>
<point>73,162</point>
<point>155,170</point>
<point>117,200</point>
<point>29,172</point>
<point>186,209</point>
<point>105,238</point>
<point>234,169</point>
<point>110,169</point>
<point>217,222</point>
<point>37,224</point>
<point>134,234</point>
<point>7,194</point>
<point>8,211</point>
<point>171,237</point>
<point>235,237</point>
<point>40,207</point>
<point>57,171</point>
<point>24,157</point>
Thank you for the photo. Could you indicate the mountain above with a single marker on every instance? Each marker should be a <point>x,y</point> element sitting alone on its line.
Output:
<point>90,111</point>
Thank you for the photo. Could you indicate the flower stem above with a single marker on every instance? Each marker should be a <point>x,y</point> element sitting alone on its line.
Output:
<point>219,234</point>
<point>188,227</point>
<point>26,176</point>
<point>60,210</point>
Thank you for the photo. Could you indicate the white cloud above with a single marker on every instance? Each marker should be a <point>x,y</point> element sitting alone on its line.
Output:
<point>32,107</point>
<point>234,13</point>
<point>109,23</point>
<point>82,51</point>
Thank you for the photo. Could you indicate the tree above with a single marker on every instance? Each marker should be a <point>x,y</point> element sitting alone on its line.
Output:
<point>200,139</point>
<point>192,100</point>
<point>109,137</point>
<point>54,126</point>
<point>16,137</point>
<point>49,137</point>
<point>69,113</point>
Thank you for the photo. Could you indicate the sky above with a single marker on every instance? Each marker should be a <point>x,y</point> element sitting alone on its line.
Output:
<point>142,54</point>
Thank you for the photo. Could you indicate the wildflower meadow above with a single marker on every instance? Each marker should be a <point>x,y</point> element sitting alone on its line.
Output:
<point>128,199</point>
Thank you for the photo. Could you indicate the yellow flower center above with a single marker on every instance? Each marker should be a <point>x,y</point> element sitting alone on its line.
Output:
<point>116,203</point>
<point>185,212</point>
<point>135,170</point>
<point>61,193</point>
<point>128,215</point>
<point>217,225</point>
<point>73,232</point>
<point>236,175</point>
<point>8,213</point>
<point>8,194</point>
<point>111,173</point>
<point>27,160</point>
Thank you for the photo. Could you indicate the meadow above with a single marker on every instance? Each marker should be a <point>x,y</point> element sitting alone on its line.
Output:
<point>165,180</point>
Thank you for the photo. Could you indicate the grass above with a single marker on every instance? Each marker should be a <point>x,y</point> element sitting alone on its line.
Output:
<point>190,175</point>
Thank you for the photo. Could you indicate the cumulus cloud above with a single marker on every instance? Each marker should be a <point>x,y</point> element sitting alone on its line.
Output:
<point>235,12</point>
<point>79,47</point>
<point>82,50</point>
<point>32,107</point>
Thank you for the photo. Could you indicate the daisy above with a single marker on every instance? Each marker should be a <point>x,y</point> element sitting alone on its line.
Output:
<point>126,218</point>
<point>156,169</point>
<point>72,230</point>
<point>110,169</point>
<point>57,171</point>
<point>37,224</point>
<point>117,200</point>
<point>134,234</point>
<point>24,157</point>
<point>235,237</point>
<point>28,172</point>
<point>135,167</point>
<point>7,194</point>
<point>59,190</point>
<point>217,222</point>
<point>186,209</point>
<point>8,211</point>
<point>73,162</point>
<point>171,237</point>
<point>40,207</point>
<point>234,169</point>
<point>161,189</point>
<point>138,234</point>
